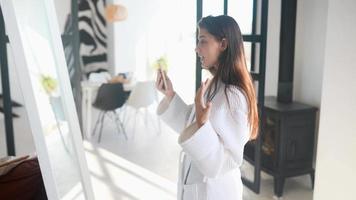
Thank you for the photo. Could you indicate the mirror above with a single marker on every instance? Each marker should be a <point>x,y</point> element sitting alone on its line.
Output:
<point>41,67</point>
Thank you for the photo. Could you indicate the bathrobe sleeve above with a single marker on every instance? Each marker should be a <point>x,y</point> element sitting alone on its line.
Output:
<point>221,138</point>
<point>175,113</point>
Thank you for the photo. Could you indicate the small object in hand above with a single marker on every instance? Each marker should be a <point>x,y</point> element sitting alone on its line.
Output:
<point>163,78</point>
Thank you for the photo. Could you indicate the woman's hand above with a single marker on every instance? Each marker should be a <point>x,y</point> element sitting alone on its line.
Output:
<point>202,108</point>
<point>168,91</point>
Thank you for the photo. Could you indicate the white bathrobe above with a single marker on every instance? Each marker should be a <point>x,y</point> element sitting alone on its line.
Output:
<point>211,157</point>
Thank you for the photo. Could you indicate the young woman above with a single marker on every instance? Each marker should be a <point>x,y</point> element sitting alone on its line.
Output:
<point>213,131</point>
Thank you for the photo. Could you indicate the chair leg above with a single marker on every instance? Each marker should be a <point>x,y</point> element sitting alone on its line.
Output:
<point>121,125</point>
<point>117,126</point>
<point>134,127</point>
<point>115,118</point>
<point>153,122</point>
<point>123,111</point>
<point>97,123</point>
<point>158,119</point>
<point>159,126</point>
<point>101,127</point>
<point>146,118</point>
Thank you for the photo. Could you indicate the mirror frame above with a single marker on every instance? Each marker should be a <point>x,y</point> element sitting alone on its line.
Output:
<point>23,73</point>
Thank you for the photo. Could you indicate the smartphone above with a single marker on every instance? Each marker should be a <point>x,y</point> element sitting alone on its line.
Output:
<point>163,75</point>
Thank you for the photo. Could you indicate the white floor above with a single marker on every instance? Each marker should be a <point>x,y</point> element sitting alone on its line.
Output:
<point>145,166</point>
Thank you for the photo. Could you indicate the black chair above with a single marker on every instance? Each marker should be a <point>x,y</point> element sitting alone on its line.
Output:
<point>110,97</point>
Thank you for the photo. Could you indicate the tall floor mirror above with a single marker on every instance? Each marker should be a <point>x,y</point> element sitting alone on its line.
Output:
<point>40,63</point>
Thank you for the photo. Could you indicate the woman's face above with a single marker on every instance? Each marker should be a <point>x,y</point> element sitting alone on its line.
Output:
<point>208,49</point>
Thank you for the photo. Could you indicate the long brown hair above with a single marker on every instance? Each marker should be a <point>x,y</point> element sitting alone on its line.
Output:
<point>232,69</point>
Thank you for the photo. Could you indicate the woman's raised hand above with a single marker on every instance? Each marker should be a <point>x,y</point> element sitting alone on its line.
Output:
<point>202,108</point>
<point>167,87</point>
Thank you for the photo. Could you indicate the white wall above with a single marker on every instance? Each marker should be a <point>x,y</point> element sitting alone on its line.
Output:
<point>110,43</point>
<point>130,34</point>
<point>336,163</point>
<point>309,54</point>
<point>272,55</point>
<point>309,51</point>
<point>156,29</point>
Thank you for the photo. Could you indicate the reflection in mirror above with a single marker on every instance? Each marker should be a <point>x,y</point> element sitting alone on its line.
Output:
<point>36,45</point>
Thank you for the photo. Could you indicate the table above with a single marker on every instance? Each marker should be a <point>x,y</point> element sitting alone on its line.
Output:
<point>88,89</point>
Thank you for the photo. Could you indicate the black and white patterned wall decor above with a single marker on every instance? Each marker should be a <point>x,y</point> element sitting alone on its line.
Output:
<point>93,35</point>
